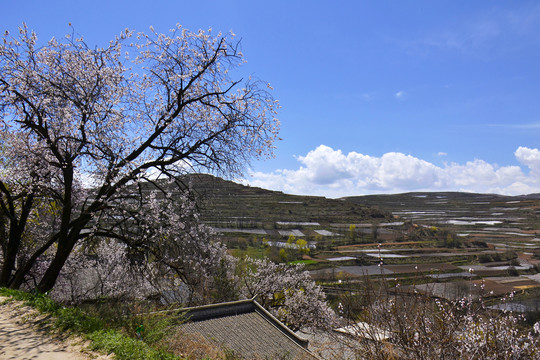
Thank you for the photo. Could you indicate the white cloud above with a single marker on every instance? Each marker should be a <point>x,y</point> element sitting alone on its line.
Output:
<point>442,153</point>
<point>328,172</point>
<point>400,94</point>
<point>529,157</point>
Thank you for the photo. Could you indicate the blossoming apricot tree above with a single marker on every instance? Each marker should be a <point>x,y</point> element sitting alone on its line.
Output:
<point>288,292</point>
<point>83,127</point>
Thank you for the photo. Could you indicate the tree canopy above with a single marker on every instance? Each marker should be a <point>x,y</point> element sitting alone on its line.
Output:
<point>84,128</point>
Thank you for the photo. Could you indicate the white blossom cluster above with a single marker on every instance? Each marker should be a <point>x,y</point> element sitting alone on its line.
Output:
<point>419,327</point>
<point>289,293</point>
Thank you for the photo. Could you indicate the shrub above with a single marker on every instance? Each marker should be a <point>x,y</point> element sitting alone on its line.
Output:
<point>512,271</point>
<point>484,258</point>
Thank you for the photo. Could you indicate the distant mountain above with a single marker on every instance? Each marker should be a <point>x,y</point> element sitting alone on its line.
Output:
<point>435,199</point>
<point>224,203</point>
<point>425,198</point>
<point>459,208</point>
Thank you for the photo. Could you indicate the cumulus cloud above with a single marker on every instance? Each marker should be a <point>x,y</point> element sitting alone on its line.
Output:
<point>529,157</point>
<point>400,94</point>
<point>329,172</point>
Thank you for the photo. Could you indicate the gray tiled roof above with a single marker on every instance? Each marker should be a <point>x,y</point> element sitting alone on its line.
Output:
<point>247,329</point>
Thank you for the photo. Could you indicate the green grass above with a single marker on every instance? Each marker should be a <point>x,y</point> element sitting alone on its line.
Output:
<point>305,262</point>
<point>76,321</point>
<point>125,347</point>
<point>251,251</point>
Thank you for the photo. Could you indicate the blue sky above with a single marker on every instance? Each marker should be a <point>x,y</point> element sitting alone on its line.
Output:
<point>377,97</point>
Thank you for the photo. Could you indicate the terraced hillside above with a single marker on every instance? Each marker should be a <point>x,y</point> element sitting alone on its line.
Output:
<point>448,242</point>
<point>228,204</point>
<point>504,221</point>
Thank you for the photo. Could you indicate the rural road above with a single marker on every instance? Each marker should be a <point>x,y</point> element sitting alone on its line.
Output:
<point>20,339</point>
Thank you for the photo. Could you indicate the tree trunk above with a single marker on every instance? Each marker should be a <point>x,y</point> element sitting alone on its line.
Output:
<point>49,278</point>
<point>67,234</point>
<point>10,255</point>
<point>24,269</point>
<point>11,248</point>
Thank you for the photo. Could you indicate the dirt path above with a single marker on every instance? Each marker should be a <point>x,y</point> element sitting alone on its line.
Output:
<point>21,339</point>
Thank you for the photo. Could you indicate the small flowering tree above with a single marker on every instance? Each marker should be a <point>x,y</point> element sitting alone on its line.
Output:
<point>409,325</point>
<point>107,119</point>
<point>288,292</point>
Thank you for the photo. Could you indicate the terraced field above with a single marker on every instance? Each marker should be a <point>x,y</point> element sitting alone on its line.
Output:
<point>444,244</point>
<point>500,220</point>
<point>498,242</point>
<point>228,204</point>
